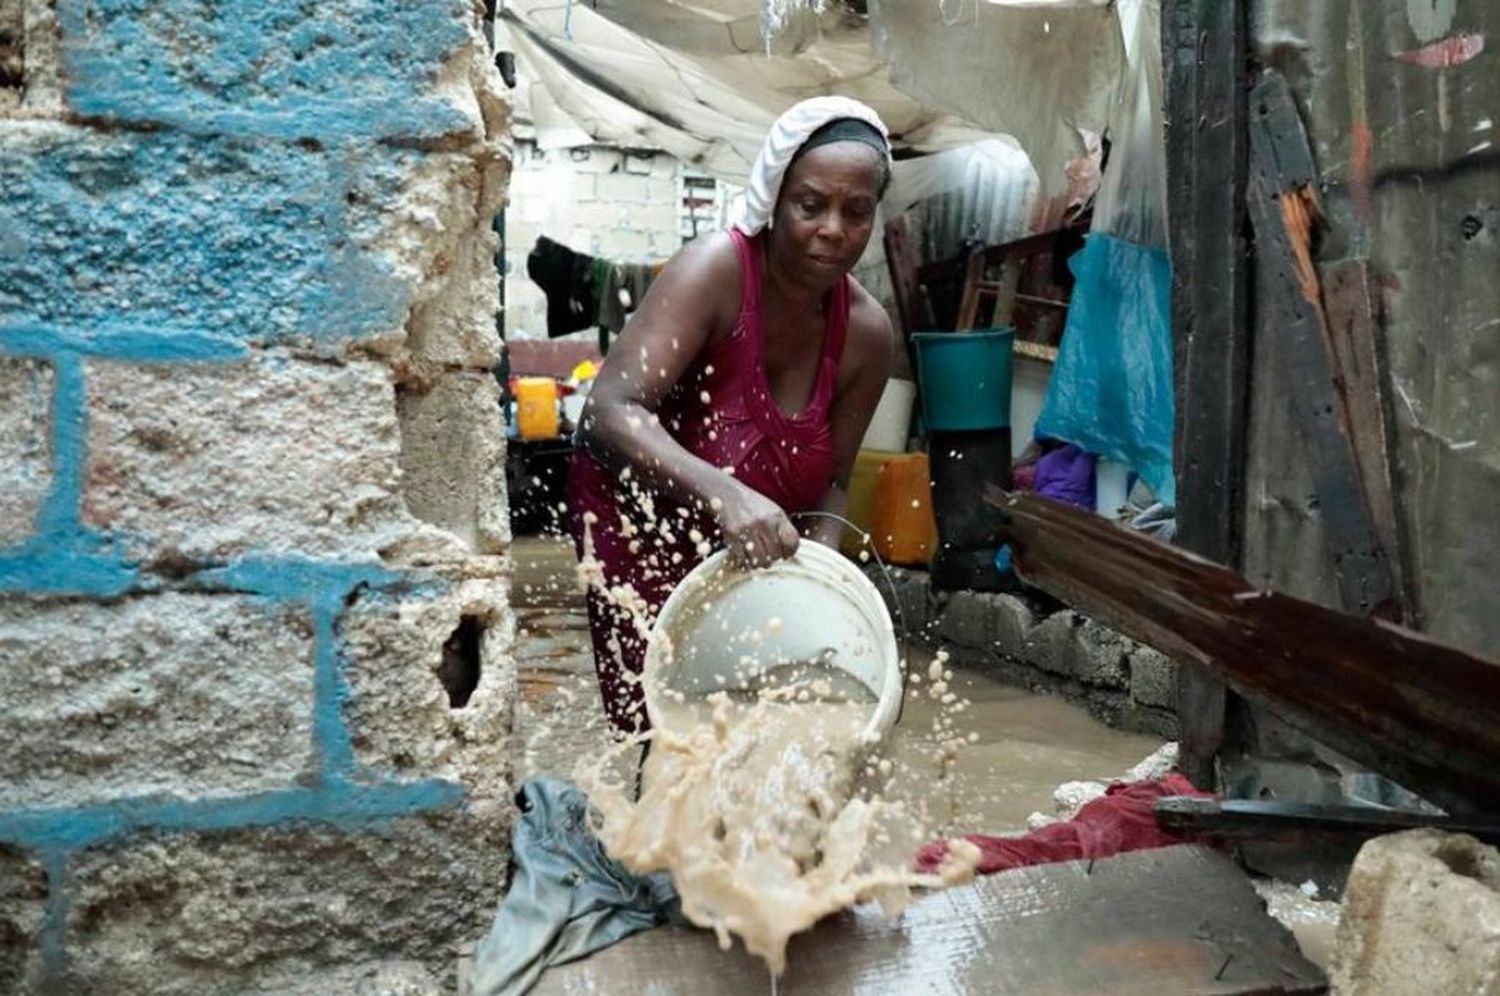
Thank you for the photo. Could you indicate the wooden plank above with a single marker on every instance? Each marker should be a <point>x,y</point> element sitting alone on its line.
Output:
<point>1421,713</point>
<point>1205,49</point>
<point>1175,920</point>
<point>968,308</point>
<point>901,259</point>
<point>1298,823</point>
<point>1359,378</point>
<point>1283,212</point>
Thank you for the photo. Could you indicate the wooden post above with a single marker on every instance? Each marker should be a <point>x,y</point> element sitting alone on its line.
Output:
<point>1205,47</point>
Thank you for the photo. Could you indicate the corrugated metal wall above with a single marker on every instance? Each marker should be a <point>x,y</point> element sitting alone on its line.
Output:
<point>1420,79</point>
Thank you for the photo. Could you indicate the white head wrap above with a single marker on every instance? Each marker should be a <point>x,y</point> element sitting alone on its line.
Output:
<point>782,142</point>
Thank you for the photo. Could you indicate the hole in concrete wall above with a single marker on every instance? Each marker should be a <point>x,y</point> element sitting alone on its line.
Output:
<point>459,669</point>
<point>12,53</point>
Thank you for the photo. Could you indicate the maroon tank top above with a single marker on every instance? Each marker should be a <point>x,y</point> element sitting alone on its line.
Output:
<point>789,458</point>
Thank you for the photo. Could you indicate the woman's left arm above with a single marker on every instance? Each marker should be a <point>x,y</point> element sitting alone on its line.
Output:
<point>867,360</point>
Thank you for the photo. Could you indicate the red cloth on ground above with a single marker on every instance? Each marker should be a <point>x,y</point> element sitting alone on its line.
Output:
<point>1123,819</point>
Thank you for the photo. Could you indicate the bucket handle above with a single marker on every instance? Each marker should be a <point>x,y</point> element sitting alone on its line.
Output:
<point>865,539</point>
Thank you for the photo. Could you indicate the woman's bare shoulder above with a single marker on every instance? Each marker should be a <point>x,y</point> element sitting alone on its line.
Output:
<point>870,331</point>
<point>710,260</point>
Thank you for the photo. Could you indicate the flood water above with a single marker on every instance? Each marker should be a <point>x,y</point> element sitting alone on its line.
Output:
<point>1026,744</point>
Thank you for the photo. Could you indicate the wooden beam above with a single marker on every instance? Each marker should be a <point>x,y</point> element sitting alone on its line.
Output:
<point>1205,49</point>
<point>1297,823</point>
<point>1424,714</point>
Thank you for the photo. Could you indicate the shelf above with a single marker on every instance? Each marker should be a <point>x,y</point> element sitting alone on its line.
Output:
<point>1034,351</point>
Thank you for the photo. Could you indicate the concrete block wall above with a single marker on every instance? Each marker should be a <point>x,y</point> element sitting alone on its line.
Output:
<point>617,204</point>
<point>255,670</point>
<point>1025,643</point>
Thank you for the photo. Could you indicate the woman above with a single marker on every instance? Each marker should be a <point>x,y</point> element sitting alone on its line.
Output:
<point>739,392</point>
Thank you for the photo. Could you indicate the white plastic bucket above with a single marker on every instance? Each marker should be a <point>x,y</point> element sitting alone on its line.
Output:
<point>892,418</point>
<point>828,612</point>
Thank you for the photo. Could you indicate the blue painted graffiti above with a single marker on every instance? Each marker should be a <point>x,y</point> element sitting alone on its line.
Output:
<point>277,69</point>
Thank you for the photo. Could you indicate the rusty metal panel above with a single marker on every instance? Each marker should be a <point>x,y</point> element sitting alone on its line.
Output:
<point>1400,99</point>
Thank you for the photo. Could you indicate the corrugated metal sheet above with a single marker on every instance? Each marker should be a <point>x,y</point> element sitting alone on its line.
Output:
<point>992,208</point>
<point>1401,100</point>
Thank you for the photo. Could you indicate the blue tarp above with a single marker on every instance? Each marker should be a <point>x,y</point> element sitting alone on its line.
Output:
<point>1111,388</point>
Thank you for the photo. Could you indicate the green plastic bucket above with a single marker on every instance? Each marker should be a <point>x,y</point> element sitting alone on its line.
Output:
<point>964,379</point>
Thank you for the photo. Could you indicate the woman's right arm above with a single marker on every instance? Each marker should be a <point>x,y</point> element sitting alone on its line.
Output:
<point>694,299</point>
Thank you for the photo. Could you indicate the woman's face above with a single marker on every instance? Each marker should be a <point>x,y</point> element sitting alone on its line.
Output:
<point>826,211</point>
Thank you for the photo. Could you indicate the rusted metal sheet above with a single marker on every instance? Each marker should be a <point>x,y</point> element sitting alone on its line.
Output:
<point>1406,151</point>
<point>1176,920</point>
<point>1413,709</point>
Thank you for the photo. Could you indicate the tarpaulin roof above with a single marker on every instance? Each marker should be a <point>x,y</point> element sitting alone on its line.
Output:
<point>700,79</point>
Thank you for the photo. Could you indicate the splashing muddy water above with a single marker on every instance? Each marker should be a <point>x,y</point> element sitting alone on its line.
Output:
<point>765,815</point>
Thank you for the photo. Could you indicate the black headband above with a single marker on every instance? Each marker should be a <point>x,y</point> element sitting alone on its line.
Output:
<point>844,130</point>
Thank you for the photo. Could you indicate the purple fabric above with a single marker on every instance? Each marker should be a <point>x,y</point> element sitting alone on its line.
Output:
<point>1067,474</point>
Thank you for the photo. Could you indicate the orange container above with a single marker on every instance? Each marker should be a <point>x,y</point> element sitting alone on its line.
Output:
<point>901,521</point>
<point>867,464</point>
<point>536,408</point>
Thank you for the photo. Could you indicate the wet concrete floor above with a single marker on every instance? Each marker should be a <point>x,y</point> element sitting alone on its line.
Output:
<point>1027,744</point>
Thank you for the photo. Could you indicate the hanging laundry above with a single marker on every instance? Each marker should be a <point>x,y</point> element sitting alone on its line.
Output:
<point>568,279</point>
<point>624,288</point>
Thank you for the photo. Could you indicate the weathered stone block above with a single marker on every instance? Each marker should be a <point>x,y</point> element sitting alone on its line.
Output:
<point>592,159</point>
<point>272,455</point>
<point>185,915</point>
<point>150,235</point>
<point>282,69</point>
<point>1068,644</point>
<point>428,217</point>
<point>184,695</point>
<point>1153,678</point>
<point>1011,622</point>
<point>657,219</point>
<point>1102,654</point>
<point>624,187</point>
<point>1139,718</point>
<point>371,978</point>
<point>1421,915</point>
<point>453,459</point>
<point>1050,644</point>
<point>911,604</point>
<point>632,246</point>
<point>25,445</point>
<point>432,683</point>
<point>23,894</point>
<point>967,620</point>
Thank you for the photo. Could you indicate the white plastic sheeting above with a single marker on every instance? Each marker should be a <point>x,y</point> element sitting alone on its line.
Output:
<point>702,80</point>
<point>986,191</point>
<point>1132,201</point>
<point>1041,73</point>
